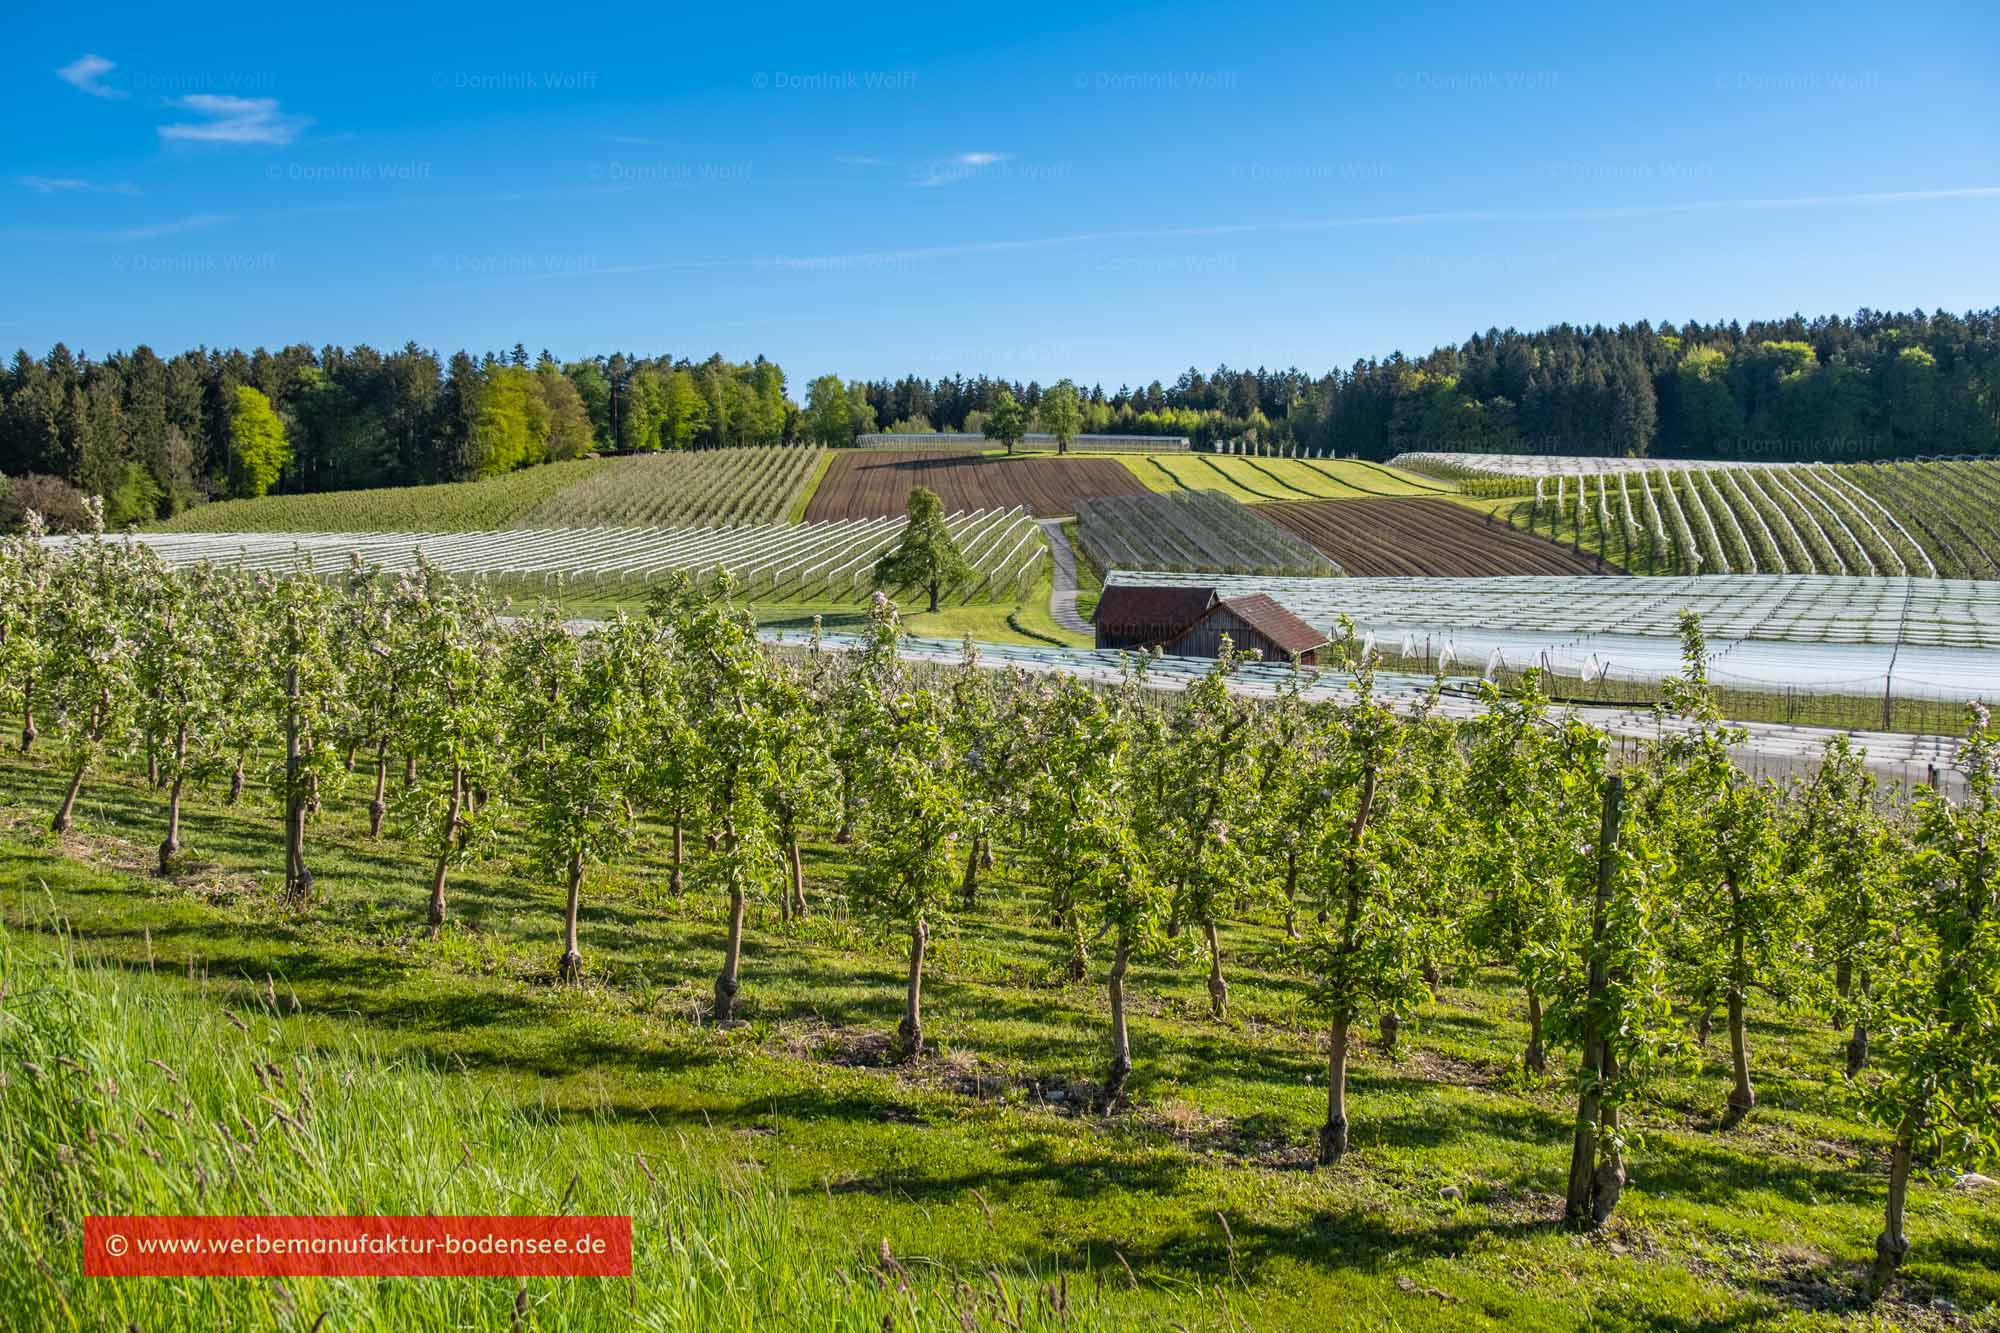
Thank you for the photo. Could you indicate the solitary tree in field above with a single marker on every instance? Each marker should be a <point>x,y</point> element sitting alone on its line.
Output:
<point>925,556</point>
<point>1062,414</point>
<point>1936,997</point>
<point>258,449</point>
<point>1008,420</point>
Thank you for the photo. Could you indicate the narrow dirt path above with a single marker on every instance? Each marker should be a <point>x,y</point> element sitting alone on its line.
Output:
<point>1062,589</point>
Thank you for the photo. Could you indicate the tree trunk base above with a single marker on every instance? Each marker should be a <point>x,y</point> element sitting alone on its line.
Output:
<point>725,999</point>
<point>1333,1141</point>
<point>569,969</point>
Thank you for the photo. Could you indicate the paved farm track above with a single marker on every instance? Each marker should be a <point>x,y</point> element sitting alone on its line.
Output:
<point>1435,538</point>
<point>867,483</point>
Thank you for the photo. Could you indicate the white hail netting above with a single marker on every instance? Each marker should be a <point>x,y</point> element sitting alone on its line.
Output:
<point>1908,637</point>
<point>1001,544</point>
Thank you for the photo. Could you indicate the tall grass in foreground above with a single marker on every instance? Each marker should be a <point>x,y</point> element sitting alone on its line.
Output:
<point>120,1094</point>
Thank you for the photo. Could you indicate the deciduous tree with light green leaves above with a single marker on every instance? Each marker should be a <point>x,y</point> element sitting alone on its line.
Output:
<point>1007,422</point>
<point>448,685</point>
<point>1935,1002</point>
<point>1061,411</point>
<point>908,838</point>
<point>1738,916</point>
<point>925,556</point>
<point>258,449</point>
<point>1077,825</point>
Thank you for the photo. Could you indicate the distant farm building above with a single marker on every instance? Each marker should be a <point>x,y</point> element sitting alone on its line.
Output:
<point>1191,622</point>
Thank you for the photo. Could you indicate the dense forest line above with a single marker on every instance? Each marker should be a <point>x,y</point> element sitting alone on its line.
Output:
<point>154,435</point>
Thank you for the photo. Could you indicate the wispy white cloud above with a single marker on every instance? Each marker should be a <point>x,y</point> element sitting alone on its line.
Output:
<point>152,231</point>
<point>958,168</point>
<point>877,258</point>
<point>234,120</point>
<point>861,160</point>
<point>77,185</point>
<point>86,73</point>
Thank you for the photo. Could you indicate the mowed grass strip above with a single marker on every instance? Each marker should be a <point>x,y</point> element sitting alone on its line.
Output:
<point>462,506</point>
<point>866,483</point>
<point>1427,538</point>
<point>966,1160</point>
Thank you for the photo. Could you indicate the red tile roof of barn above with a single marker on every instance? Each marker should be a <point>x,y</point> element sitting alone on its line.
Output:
<point>1165,611</point>
<point>1275,623</point>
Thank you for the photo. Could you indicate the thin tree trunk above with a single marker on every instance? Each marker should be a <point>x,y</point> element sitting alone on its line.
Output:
<point>798,873</point>
<point>1892,1244</point>
<point>911,1033</point>
<point>1121,1037</point>
<point>1857,1045</point>
<point>444,851</point>
<point>678,881</point>
<point>1079,951</point>
<point>409,770</point>
<point>968,888</point>
<point>570,969</point>
<point>236,780</point>
<point>60,824</point>
<point>170,846</point>
<point>1581,1206</point>
<point>380,805</point>
<point>726,985</point>
<point>1741,1096</point>
<point>1292,894</point>
<point>1218,989</point>
<point>1390,1027</point>
<point>1607,1184</point>
<point>1536,1061</point>
<point>298,880</point>
<point>1333,1134</point>
<point>152,760</point>
<point>28,732</point>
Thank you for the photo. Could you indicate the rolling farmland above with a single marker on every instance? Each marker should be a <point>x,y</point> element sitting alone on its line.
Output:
<point>1254,480</point>
<point>877,483</point>
<point>1198,531</point>
<point>705,488</point>
<point>1926,520</point>
<point>795,562</point>
<point>1423,537</point>
<point>463,506</point>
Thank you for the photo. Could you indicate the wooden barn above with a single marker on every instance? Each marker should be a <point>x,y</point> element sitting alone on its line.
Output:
<point>1190,622</point>
<point>1254,623</point>
<point>1136,617</point>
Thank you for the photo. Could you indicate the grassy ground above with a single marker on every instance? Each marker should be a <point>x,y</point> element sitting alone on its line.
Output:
<point>465,506</point>
<point>984,1154</point>
<point>1253,480</point>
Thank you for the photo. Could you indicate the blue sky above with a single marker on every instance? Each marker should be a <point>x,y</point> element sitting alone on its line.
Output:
<point>1109,193</point>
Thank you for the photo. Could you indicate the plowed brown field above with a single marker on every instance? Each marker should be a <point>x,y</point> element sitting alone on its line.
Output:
<point>1431,538</point>
<point>867,483</point>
